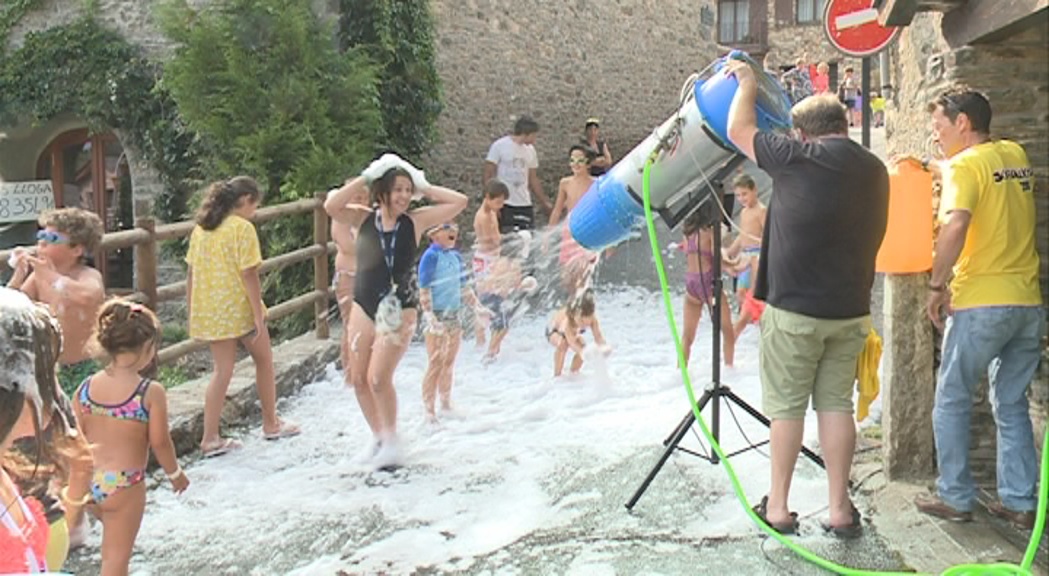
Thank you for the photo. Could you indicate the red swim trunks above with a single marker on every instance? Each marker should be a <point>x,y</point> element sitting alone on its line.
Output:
<point>754,306</point>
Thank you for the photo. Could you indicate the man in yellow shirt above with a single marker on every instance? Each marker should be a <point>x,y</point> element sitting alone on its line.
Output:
<point>994,316</point>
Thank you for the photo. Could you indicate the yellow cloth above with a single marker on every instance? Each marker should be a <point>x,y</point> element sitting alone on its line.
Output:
<point>878,104</point>
<point>57,545</point>
<point>220,308</point>
<point>867,383</point>
<point>998,265</point>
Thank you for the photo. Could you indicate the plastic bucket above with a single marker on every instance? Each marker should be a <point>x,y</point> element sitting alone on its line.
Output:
<point>714,98</point>
<point>907,246</point>
<point>606,215</point>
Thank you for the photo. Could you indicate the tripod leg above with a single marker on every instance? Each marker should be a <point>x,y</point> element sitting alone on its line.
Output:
<point>688,419</point>
<point>682,429</point>
<point>816,459</point>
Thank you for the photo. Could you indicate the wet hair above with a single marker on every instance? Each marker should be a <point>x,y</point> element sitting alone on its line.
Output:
<point>125,327</point>
<point>963,100</point>
<point>12,402</point>
<point>581,306</point>
<point>587,151</point>
<point>744,181</point>
<point>525,125</point>
<point>496,188</point>
<point>84,228</point>
<point>36,461</point>
<point>702,218</point>
<point>222,197</point>
<point>382,187</point>
<point>820,115</point>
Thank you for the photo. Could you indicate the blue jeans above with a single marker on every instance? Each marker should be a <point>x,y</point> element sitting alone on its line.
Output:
<point>1005,343</point>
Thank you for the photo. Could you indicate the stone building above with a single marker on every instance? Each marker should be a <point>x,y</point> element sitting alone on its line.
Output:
<point>497,59</point>
<point>785,30</point>
<point>998,48</point>
<point>559,62</point>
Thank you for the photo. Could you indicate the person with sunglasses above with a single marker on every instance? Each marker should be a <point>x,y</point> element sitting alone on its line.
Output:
<point>576,262</point>
<point>57,274</point>
<point>443,288</point>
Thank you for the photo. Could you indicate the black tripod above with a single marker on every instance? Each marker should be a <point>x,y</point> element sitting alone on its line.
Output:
<point>715,391</point>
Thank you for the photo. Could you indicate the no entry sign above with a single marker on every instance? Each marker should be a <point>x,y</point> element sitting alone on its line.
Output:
<point>852,27</point>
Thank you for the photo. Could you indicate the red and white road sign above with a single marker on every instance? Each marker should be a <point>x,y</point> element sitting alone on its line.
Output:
<point>852,27</point>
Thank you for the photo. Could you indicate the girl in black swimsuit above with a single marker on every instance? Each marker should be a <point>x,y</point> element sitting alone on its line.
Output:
<point>386,295</point>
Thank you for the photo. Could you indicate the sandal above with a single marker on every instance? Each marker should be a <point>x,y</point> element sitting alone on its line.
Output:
<point>786,529</point>
<point>223,446</point>
<point>287,429</point>
<point>850,531</point>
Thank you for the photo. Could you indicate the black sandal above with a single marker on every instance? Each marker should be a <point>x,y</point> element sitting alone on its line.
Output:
<point>786,529</point>
<point>850,531</point>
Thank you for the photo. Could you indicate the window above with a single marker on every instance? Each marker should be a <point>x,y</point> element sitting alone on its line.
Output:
<point>733,20</point>
<point>810,11</point>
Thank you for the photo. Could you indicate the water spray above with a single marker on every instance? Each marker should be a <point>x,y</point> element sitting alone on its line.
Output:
<point>666,174</point>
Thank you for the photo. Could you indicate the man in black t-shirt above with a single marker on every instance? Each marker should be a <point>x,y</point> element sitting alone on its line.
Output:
<point>826,219</point>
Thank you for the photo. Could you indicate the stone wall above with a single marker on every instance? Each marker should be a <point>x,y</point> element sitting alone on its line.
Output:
<point>560,62</point>
<point>788,40</point>
<point>1014,73</point>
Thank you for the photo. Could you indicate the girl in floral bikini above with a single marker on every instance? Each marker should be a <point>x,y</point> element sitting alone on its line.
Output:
<point>699,280</point>
<point>124,415</point>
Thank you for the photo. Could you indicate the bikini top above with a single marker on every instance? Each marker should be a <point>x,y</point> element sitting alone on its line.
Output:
<point>134,408</point>
<point>692,247</point>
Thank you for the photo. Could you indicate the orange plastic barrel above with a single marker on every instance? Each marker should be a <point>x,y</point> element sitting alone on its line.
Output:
<point>907,247</point>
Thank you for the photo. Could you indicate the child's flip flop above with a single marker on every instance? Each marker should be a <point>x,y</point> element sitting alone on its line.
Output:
<point>224,446</point>
<point>287,429</point>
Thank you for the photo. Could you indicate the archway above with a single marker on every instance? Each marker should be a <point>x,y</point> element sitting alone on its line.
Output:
<point>90,171</point>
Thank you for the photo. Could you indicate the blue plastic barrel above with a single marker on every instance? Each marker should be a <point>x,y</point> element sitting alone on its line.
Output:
<point>606,215</point>
<point>714,98</point>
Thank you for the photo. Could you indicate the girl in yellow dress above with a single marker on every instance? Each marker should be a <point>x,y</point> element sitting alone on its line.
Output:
<point>225,305</point>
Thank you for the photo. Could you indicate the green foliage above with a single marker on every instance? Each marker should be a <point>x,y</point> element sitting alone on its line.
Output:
<point>171,375</point>
<point>11,12</point>
<point>173,333</point>
<point>264,86</point>
<point>271,96</point>
<point>399,35</point>
<point>94,73</point>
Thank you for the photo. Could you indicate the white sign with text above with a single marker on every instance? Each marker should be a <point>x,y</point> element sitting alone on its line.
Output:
<point>24,201</point>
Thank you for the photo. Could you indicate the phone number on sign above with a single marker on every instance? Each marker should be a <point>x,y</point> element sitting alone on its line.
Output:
<point>22,202</point>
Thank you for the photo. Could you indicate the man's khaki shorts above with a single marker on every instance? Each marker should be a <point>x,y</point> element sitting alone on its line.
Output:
<point>803,357</point>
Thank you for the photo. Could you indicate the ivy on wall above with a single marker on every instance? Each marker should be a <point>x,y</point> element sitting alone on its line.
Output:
<point>399,36</point>
<point>11,13</point>
<point>95,74</point>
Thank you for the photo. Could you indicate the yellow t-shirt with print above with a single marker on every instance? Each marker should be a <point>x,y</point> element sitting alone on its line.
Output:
<point>998,265</point>
<point>219,305</point>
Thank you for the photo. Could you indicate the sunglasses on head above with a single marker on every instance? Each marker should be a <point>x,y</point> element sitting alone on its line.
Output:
<point>447,226</point>
<point>49,237</point>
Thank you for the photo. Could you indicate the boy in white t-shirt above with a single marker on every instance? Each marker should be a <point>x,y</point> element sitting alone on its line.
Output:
<point>512,159</point>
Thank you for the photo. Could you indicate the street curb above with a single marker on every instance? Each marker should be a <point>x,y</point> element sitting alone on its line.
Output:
<point>296,363</point>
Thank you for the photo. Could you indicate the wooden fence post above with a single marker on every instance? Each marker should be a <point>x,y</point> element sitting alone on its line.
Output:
<point>321,276</point>
<point>146,262</point>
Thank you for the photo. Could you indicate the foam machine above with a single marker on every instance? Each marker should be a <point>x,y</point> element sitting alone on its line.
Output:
<point>692,154</point>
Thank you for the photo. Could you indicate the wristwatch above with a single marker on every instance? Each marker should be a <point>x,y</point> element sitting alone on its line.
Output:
<point>936,287</point>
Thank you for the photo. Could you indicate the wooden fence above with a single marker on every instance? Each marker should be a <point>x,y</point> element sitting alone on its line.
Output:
<point>147,234</point>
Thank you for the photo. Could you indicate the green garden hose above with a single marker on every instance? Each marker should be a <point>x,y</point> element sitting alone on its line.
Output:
<point>809,556</point>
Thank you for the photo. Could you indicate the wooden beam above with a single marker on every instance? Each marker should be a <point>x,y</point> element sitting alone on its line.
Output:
<point>897,12</point>
<point>902,12</point>
<point>985,20</point>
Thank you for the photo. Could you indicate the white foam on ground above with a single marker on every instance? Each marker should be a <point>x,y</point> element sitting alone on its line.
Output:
<point>479,480</point>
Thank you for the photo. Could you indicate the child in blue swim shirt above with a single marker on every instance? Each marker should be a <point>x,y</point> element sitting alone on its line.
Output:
<point>444,288</point>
